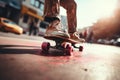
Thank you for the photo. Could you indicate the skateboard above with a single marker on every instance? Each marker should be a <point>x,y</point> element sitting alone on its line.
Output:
<point>63,44</point>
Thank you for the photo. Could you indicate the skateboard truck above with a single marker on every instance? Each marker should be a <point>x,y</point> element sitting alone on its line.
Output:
<point>66,47</point>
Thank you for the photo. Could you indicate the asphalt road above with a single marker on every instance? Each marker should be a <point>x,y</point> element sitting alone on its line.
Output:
<point>22,59</point>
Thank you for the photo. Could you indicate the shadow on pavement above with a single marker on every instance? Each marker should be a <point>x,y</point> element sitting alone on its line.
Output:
<point>23,49</point>
<point>19,49</point>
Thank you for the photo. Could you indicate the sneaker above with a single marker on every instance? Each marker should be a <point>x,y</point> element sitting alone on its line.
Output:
<point>55,30</point>
<point>75,36</point>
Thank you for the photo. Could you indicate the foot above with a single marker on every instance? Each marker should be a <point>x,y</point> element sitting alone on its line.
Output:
<point>76,37</point>
<point>55,30</point>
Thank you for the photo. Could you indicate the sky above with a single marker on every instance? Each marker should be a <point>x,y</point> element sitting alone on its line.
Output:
<point>89,11</point>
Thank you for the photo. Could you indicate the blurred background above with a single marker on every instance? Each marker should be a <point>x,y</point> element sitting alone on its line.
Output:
<point>98,21</point>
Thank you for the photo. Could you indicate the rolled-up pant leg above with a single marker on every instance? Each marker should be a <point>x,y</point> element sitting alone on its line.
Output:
<point>70,7</point>
<point>52,8</point>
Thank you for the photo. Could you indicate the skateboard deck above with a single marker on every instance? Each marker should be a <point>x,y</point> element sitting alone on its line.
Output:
<point>61,39</point>
<point>64,44</point>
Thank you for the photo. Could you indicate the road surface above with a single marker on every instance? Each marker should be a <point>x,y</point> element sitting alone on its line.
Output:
<point>21,59</point>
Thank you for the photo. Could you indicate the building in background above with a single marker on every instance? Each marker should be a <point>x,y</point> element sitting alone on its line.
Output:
<point>31,9</point>
<point>10,9</point>
<point>64,22</point>
<point>23,11</point>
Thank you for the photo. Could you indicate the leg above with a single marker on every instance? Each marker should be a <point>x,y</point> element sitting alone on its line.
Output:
<point>51,15</point>
<point>30,30</point>
<point>70,7</point>
<point>35,32</point>
<point>52,8</point>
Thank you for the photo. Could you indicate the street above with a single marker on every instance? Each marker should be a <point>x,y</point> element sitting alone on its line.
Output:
<point>21,59</point>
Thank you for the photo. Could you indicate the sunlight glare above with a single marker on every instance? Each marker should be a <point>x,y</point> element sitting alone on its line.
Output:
<point>105,7</point>
<point>88,12</point>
